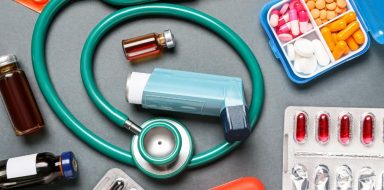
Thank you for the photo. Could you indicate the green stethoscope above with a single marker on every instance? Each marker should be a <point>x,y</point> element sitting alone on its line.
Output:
<point>147,153</point>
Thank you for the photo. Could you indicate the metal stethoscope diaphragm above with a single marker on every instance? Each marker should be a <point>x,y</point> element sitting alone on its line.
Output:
<point>163,148</point>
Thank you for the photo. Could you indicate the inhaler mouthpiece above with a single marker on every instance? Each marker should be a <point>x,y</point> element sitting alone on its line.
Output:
<point>135,87</point>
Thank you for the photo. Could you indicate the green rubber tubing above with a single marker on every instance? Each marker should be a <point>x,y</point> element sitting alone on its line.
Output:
<point>117,153</point>
<point>127,2</point>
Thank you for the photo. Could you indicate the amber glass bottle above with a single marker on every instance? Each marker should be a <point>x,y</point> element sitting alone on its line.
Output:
<point>147,46</point>
<point>18,98</point>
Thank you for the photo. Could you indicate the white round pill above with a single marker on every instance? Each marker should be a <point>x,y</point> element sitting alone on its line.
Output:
<point>304,47</point>
<point>291,52</point>
<point>297,66</point>
<point>305,65</point>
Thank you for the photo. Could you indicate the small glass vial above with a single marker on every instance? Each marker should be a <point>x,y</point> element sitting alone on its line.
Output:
<point>41,168</point>
<point>147,46</point>
<point>18,98</point>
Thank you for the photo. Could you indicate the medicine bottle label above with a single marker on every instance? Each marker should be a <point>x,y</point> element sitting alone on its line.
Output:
<point>21,166</point>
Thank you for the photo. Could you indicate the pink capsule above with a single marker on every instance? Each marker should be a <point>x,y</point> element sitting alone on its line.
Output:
<point>292,4</point>
<point>286,17</point>
<point>284,29</point>
<point>298,6</point>
<point>303,21</point>
<point>294,21</point>
<point>274,19</point>
<point>285,37</point>
<point>284,8</point>
<point>283,20</point>
<point>296,36</point>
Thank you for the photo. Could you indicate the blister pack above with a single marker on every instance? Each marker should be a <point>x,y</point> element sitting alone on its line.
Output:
<point>333,148</point>
<point>116,179</point>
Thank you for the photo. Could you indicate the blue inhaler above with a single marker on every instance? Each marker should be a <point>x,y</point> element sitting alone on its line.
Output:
<point>195,93</point>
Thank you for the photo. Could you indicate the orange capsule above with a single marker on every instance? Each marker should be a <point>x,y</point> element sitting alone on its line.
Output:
<point>334,36</point>
<point>352,44</point>
<point>349,17</point>
<point>339,49</point>
<point>359,37</point>
<point>348,31</point>
<point>347,50</point>
<point>337,25</point>
<point>326,32</point>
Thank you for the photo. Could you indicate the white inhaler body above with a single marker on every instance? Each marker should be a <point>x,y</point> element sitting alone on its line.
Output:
<point>195,93</point>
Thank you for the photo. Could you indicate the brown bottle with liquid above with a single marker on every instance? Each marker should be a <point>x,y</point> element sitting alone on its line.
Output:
<point>18,98</point>
<point>147,46</point>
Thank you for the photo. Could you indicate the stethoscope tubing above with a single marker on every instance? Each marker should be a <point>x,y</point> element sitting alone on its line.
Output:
<point>171,10</point>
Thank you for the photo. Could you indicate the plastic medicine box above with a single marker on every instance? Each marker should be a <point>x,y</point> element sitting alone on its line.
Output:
<point>369,15</point>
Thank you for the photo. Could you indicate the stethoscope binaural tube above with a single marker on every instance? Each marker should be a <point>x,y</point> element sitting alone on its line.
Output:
<point>117,153</point>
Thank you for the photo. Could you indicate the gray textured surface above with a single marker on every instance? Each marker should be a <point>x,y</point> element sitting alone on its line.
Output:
<point>358,83</point>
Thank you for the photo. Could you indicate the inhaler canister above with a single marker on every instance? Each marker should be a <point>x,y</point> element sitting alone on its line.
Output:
<point>195,93</point>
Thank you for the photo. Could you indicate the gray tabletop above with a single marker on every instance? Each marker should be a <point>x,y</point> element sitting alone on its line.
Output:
<point>355,84</point>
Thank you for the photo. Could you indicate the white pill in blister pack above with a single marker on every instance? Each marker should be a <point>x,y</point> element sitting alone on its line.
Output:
<point>327,148</point>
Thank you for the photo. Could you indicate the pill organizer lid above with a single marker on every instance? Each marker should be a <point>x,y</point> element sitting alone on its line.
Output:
<point>373,15</point>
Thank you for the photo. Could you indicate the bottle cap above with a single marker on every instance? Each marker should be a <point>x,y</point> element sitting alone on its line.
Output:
<point>69,165</point>
<point>169,40</point>
<point>7,59</point>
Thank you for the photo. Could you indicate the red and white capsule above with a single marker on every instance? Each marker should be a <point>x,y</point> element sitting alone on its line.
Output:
<point>294,21</point>
<point>284,8</point>
<point>300,133</point>
<point>284,29</point>
<point>345,128</point>
<point>323,128</point>
<point>283,20</point>
<point>274,19</point>
<point>285,37</point>
<point>367,129</point>
<point>303,21</point>
<point>296,4</point>
<point>309,26</point>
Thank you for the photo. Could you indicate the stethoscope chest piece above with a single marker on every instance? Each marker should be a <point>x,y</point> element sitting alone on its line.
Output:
<point>163,148</point>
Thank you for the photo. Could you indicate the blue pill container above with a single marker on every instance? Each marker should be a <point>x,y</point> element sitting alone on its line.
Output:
<point>369,13</point>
